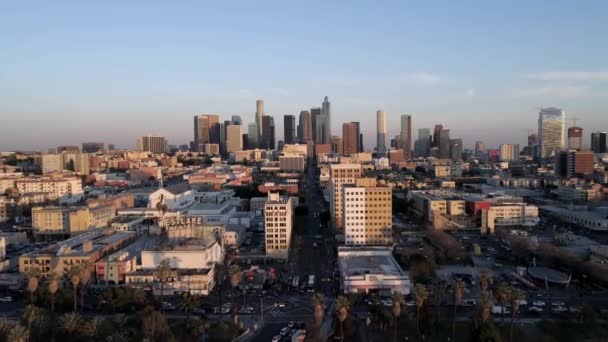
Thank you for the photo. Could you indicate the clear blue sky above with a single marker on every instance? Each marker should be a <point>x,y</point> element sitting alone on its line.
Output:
<point>109,71</point>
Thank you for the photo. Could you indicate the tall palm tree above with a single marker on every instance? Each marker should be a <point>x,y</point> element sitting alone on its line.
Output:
<point>516,296</point>
<point>219,274</point>
<point>458,288</point>
<point>421,295</point>
<point>19,334</point>
<point>86,268</point>
<point>30,314</point>
<point>53,286</point>
<point>70,323</point>
<point>503,295</point>
<point>485,279</point>
<point>164,271</point>
<point>32,282</point>
<point>94,328</point>
<point>75,280</point>
<point>234,274</point>
<point>318,305</point>
<point>397,309</point>
<point>342,309</point>
<point>485,307</point>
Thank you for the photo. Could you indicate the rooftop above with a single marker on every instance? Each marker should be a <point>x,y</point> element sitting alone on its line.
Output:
<point>368,260</point>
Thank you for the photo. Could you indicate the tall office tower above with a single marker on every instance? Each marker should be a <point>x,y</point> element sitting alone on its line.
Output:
<point>236,120</point>
<point>380,133</point>
<point>234,138</point>
<point>456,149</point>
<point>361,149</point>
<point>423,144</point>
<point>305,133</point>
<point>153,143</point>
<point>289,129</point>
<point>406,136</point>
<point>92,147</point>
<point>317,122</point>
<point>339,175</point>
<point>550,131</point>
<point>444,144</point>
<point>326,113</point>
<point>368,217</point>
<point>268,138</point>
<point>480,147</point>
<point>437,135</point>
<point>259,113</point>
<point>350,138</point>
<point>337,145</point>
<point>278,216</point>
<point>575,138</point>
<point>598,142</point>
<point>206,131</point>
<point>224,135</point>
<point>509,152</point>
<point>252,136</point>
<point>574,163</point>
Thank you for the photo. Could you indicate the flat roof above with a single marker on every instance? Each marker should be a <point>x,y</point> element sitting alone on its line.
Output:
<point>368,260</point>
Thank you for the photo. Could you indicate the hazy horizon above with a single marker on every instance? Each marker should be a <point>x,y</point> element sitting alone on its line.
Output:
<point>74,72</point>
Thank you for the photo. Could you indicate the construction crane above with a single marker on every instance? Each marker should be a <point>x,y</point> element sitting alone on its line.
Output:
<point>573,121</point>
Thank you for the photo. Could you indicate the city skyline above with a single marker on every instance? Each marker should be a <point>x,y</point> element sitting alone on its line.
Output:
<point>115,82</point>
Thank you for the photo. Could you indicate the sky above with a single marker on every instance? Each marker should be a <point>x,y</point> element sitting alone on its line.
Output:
<point>75,71</point>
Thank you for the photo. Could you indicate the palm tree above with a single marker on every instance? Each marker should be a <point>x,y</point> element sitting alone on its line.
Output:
<point>53,285</point>
<point>219,273</point>
<point>397,308</point>
<point>70,323</point>
<point>318,304</point>
<point>485,279</point>
<point>516,296</point>
<point>85,277</point>
<point>5,328</point>
<point>234,273</point>
<point>75,279</point>
<point>458,288</point>
<point>503,295</point>
<point>421,295</point>
<point>164,271</point>
<point>342,308</point>
<point>485,307</point>
<point>95,328</point>
<point>32,282</point>
<point>19,334</point>
<point>30,314</point>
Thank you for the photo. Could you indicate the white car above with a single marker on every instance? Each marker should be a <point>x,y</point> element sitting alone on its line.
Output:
<point>535,309</point>
<point>558,304</point>
<point>559,309</point>
<point>6,299</point>
<point>538,303</point>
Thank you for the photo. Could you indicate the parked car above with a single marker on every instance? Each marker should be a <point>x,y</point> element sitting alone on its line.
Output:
<point>6,299</point>
<point>538,303</point>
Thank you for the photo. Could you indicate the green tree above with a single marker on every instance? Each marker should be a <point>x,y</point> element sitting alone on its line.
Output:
<point>485,279</point>
<point>53,287</point>
<point>342,311</point>
<point>398,303</point>
<point>234,274</point>
<point>516,296</point>
<point>164,271</point>
<point>421,295</point>
<point>86,269</point>
<point>318,307</point>
<point>154,325</point>
<point>219,275</point>
<point>70,323</point>
<point>95,328</point>
<point>503,295</point>
<point>458,288</point>
<point>75,280</point>
<point>19,334</point>
<point>30,315</point>
<point>187,304</point>
<point>32,282</point>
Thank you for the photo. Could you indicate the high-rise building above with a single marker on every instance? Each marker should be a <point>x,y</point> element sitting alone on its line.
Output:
<point>252,135</point>
<point>152,143</point>
<point>456,149</point>
<point>326,114</point>
<point>289,129</point>
<point>509,152</point>
<point>340,175</point>
<point>259,114</point>
<point>350,138</point>
<point>380,133</point>
<point>236,120</point>
<point>92,147</point>
<point>437,135</point>
<point>598,142</point>
<point>234,138</point>
<point>423,144</point>
<point>278,216</point>
<point>305,133</point>
<point>368,217</point>
<point>406,136</point>
<point>444,144</point>
<point>479,148</point>
<point>575,138</point>
<point>268,138</point>
<point>315,113</point>
<point>574,163</point>
<point>550,131</point>
<point>206,131</point>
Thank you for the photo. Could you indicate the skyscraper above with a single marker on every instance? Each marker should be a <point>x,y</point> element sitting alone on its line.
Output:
<point>289,129</point>
<point>598,142</point>
<point>550,131</point>
<point>236,120</point>
<point>575,138</point>
<point>350,138</point>
<point>259,113</point>
<point>152,143</point>
<point>252,136</point>
<point>406,136</point>
<point>509,152</point>
<point>423,144</point>
<point>444,143</point>
<point>479,148</point>
<point>268,139</point>
<point>326,113</point>
<point>234,138</point>
<point>456,149</point>
<point>436,135</point>
<point>305,133</point>
<point>206,131</point>
<point>317,123</point>
<point>381,133</point>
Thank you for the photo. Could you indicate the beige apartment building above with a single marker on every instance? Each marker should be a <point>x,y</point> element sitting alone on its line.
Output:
<point>278,215</point>
<point>368,217</point>
<point>340,175</point>
<point>70,220</point>
<point>56,188</point>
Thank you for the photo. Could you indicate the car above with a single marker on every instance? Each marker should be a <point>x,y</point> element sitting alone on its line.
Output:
<point>535,309</point>
<point>410,303</point>
<point>387,302</point>
<point>284,331</point>
<point>559,309</point>
<point>558,304</point>
<point>538,303</point>
<point>281,304</point>
<point>277,338</point>
<point>468,302</point>
<point>6,299</point>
